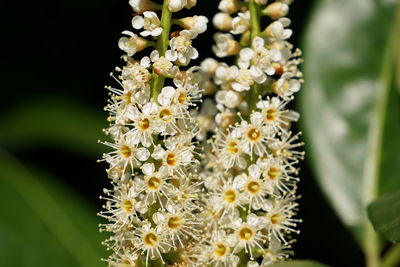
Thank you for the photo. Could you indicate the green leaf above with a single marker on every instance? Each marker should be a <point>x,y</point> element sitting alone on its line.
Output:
<point>385,216</point>
<point>350,123</point>
<point>42,224</point>
<point>59,122</point>
<point>299,263</point>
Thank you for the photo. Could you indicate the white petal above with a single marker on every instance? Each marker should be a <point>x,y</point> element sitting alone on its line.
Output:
<point>148,169</point>
<point>145,62</point>
<point>142,154</point>
<point>158,152</point>
<point>137,22</point>
<point>157,31</point>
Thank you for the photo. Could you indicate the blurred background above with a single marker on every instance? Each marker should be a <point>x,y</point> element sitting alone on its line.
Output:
<point>55,61</point>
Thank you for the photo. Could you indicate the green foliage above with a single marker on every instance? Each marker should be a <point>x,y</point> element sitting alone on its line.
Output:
<point>385,216</point>
<point>42,224</point>
<point>60,123</point>
<point>299,263</point>
<point>351,123</point>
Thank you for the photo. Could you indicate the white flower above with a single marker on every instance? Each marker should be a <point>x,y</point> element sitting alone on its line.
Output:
<point>122,206</point>
<point>136,76</point>
<point>144,124</point>
<point>255,135</point>
<point>225,45</point>
<point>149,22</point>
<point>176,5</point>
<point>276,30</point>
<point>255,189</point>
<point>286,85</point>
<point>222,21</point>
<point>154,184</point>
<point>131,44</point>
<point>150,242</point>
<point>241,23</point>
<point>279,219</point>
<point>248,234</point>
<point>260,57</point>
<point>274,114</point>
<point>175,158</point>
<point>230,99</point>
<point>244,80</point>
<point>219,249</point>
<point>162,66</point>
<point>227,147</point>
<point>181,48</point>
<point>198,24</point>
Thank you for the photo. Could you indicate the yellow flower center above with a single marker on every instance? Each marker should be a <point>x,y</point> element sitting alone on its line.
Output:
<point>144,124</point>
<point>229,195</point>
<point>175,222</point>
<point>274,173</point>
<point>125,151</point>
<point>246,233</point>
<point>276,218</point>
<point>253,187</point>
<point>150,239</point>
<point>172,159</point>
<point>232,147</point>
<point>165,114</point>
<point>127,205</point>
<point>253,134</point>
<point>182,98</point>
<point>220,250</point>
<point>154,183</point>
<point>271,114</point>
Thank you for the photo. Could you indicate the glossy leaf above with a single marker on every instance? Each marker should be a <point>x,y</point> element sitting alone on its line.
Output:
<point>299,263</point>
<point>42,224</point>
<point>345,105</point>
<point>61,123</point>
<point>385,216</point>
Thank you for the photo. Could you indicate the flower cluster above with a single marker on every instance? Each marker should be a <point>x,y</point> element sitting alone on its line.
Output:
<point>250,172</point>
<point>236,203</point>
<point>151,209</point>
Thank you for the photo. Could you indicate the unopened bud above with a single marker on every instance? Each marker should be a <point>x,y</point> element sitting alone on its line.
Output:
<point>276,10</point>
<point>222,22</point>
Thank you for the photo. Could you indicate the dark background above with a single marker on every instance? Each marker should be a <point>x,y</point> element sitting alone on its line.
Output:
<point>67,49</point>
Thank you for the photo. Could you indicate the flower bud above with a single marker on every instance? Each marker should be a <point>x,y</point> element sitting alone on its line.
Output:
<point>139,6</point>
<point>222,22</point>
<point>190,4</point>
<point>197,24</point>
<point>229,6</point>
<point>176,5</point>
<point>225,45</point>
<point>276,10</point>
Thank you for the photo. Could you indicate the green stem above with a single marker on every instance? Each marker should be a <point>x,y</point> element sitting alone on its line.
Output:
<point>392,257</point>
<point>161,46</point>
<point>255,90</point>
